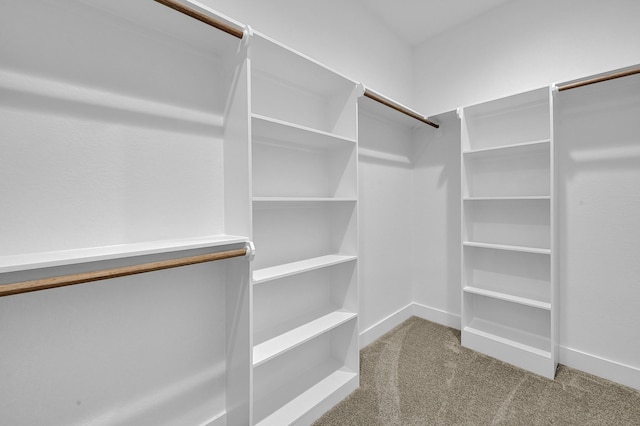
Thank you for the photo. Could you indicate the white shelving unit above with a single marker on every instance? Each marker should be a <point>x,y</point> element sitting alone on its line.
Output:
<point>509,289</point>
<point>304,192</point>
<point>125,136</point>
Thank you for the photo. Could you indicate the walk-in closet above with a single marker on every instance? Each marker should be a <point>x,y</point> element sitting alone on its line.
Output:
<point>241,213</point>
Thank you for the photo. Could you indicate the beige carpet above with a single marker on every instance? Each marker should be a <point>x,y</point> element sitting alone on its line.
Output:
<point>418,374</point>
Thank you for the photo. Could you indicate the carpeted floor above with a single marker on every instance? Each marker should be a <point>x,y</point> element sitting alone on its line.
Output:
<point>418,374</point>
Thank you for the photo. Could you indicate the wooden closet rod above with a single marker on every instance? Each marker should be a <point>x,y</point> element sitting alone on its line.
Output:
<point>176,5</point>
<point>599,79</point>
<point>379,98</point>
<point>105,274</point>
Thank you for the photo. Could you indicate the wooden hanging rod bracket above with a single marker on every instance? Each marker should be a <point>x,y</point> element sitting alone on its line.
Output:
<point>599,79</point>
<point>105,274</point>
<point>388,102</point>
<point>182,8</point>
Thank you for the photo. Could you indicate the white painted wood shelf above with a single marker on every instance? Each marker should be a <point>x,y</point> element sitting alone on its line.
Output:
<point>22,262</point>
<point>293,161</point>
<point>509,198</point>
<point>532,343</point>
<point>508,297</point>
<point>510,148</point>
<point>302,200</point>
<point>285,342</point>
<point>506,247</point>
<point>281,271</point>
<point>283,131</point>
<point>341,379</point>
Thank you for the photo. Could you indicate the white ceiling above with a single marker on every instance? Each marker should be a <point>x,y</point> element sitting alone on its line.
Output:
<point>417,20</point>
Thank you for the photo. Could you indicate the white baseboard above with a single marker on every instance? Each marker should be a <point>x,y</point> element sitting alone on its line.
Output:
<point>601,367</point>
<point>384,325</point>
<point>422,311</point>
<point>436,315</point>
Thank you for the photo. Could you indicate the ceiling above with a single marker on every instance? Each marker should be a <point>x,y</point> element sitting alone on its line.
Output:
<point>417,20</point>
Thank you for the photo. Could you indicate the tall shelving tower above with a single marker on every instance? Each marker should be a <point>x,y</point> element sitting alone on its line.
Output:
<point>509,285</point>
<point>305,275</point>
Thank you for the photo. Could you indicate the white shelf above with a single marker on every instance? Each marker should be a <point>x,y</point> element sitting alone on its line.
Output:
<point>294,161</point>
<point>506,148</point>
<point>305,200</point>
<point>293,338</point>
<point>507,171</point>
<point>312,397</point>
<point>21,262</point>
<point>509,198</point>
<point>508,297</point>
<point>528,342</point>
<point>280,130</point>
<point>293,268</point>
<point>523,249</point>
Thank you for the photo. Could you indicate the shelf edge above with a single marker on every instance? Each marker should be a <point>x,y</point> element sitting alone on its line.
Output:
<point>298,127</point>
<point>510,198</point>
<point>534,143</point>
<point>343,377</point>
<point>304,199</point>
<point>296,267</point>
<point>271,354</point>
<point>512,343</point>
<point>24,262</point>
<point>507,247</point>
<point>508,298</point>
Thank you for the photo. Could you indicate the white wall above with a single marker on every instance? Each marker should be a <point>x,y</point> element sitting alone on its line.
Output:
<point>409,200</point>
<point>598,140</point>
<point>386,207</point>
<point>339,34</point>
<point>524,45</point>
<point>436,221</point>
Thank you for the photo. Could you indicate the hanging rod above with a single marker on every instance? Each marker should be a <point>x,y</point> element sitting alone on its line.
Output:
<point>391,104</point>
<point>182,8</point>
<point>105,274</point>
<point>599,79</point>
